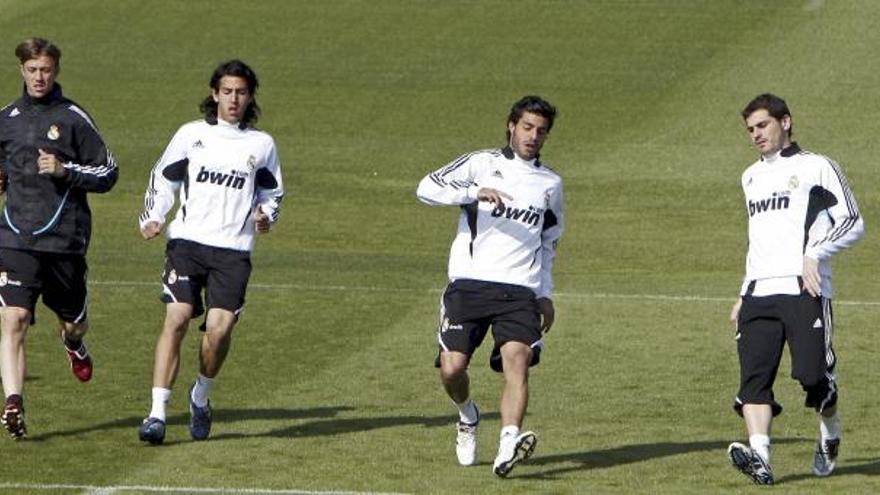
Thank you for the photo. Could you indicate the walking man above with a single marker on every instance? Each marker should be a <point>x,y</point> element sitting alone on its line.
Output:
<point>801,213</point>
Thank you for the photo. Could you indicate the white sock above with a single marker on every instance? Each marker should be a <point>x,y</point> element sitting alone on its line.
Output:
<point>202,390</point>
<point>760,444</point>
<point>509,430</point>
<point>830,427</point>
<point>467,412</point>
<point>161,397</point>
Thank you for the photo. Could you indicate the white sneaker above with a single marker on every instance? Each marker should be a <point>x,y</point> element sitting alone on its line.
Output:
<point>512,450</point>
<point>826,456</point>
<point>466,444</point>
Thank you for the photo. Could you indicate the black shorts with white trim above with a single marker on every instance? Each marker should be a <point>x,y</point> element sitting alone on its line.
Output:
<point>191,267</point>
<point>765,324</point>
<point>470,307</point>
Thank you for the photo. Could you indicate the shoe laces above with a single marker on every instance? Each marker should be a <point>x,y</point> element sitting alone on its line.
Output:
<point>467,429</point>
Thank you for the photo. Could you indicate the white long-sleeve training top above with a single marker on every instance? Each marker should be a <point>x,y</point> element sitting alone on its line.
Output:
<point>221,172</point>
<point>514,245</point>
<point>799,203</point>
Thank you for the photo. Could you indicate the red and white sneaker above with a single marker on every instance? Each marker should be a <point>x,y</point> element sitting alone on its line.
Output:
<point>80,362</point>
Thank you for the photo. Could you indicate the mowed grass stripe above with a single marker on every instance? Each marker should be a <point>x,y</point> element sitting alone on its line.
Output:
<point>91,489</point>
<point>372,288</point>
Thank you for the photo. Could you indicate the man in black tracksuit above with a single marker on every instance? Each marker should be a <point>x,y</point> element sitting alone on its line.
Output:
<point>51,155</point>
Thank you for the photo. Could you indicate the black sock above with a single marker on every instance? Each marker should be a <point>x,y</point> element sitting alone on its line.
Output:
<point>14,400</point>
<point>72,344</point>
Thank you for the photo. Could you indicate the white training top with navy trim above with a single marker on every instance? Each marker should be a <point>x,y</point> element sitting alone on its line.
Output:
<point>222,172</point>
<point>514,245</point>
<point>799,203</point>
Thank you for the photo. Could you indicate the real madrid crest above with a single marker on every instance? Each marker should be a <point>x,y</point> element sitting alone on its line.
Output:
<point>54,133</point>
<point>793,183</point>
<point>251,162</point>
<point>3,279</point>
<point>172,277</point>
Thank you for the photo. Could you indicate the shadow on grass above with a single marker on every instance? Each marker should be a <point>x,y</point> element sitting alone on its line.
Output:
<point>351,425</point>
<point>868,467</point>
<point>318,427</point>
<point>220,416</point>
<point>627,454</point>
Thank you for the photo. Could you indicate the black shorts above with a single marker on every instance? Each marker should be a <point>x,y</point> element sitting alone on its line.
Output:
<point>191,267</point>
<point>765,324</point>
<point>59,277</point>
<point>469,307</point>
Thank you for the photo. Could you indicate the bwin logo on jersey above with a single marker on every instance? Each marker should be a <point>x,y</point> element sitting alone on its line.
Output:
<point>778,201</point>
<point>528,216</point>
<point>234,180</point>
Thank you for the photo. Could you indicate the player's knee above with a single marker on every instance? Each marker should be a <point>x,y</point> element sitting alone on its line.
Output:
<point>516,354</point>
<point>15,319</point>
<point>452,368</point>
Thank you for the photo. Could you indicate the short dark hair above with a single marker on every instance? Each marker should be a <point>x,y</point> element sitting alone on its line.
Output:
<point>531,104</point>
<point>775,106</point>
<point>234,68</point>
<point>32,48</point>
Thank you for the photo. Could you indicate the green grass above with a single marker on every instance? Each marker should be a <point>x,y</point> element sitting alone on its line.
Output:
<point>329,388</point>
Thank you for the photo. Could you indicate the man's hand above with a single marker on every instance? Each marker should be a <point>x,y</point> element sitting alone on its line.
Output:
<point>545,307</point>
<point>734,312</point>
<point>493,196</point>
<point>812,279</point>
<point>151,229</point>
<point>261,220</point>
<point>48,164</point>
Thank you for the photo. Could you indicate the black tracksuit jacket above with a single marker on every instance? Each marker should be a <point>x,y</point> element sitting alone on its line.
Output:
<point>44,213</point>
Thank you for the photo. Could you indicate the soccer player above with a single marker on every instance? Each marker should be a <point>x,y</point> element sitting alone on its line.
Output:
<point>801,213</point>
<point>228,178</point>
<point>51,156</point>
<point>500,272</point>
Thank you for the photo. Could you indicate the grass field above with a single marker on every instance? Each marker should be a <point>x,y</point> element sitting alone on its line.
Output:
<point>330,384</point>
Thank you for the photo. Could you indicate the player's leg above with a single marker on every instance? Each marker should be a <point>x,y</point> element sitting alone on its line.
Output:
<point>516,357</point>
<point>14,322</point>
<point>65,292</point>
<point>20,286</point>
<point>182,282</point>
<point>813,365</point>
<point>459,333</point>
<point>760,340</point>
<point>228,272</point>
<point>166,365</point>
<point>518,341</point>
<point>77,353</point>
<point>216,341</point>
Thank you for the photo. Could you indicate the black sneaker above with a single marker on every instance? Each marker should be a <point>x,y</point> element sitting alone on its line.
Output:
<point>13,420</point>
<point>750,464</point>
<point>826,456</point>
<point>200,419</point>
<point>153,431</point>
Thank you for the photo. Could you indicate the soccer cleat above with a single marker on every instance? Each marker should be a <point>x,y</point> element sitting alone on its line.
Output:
<point>80,362</point>
<point>13,420</point>
<point>466,441</point>
<point>199,419</point>
<point>512,451</point>
<point>826,456</point>
<point>152,430</point>
<point>750,464</point>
